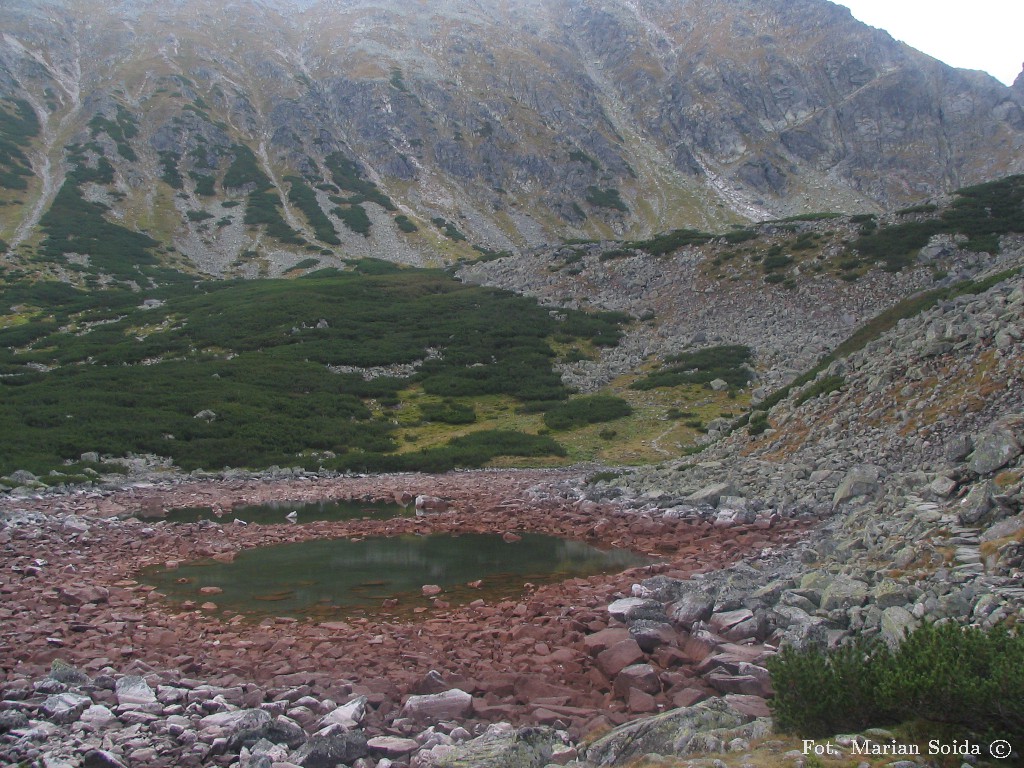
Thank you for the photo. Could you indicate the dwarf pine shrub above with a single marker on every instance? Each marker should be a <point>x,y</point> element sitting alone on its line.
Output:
<point>962,677</point>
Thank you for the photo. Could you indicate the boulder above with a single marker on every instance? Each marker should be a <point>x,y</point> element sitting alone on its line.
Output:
<point>689,609</point>
<point>896,622</point>
<point>348,715</point>
<point>134,690</point>
<point>861,480</point>
<point>844,593</point>
<point>447,705</point>
<point>64,708</point>
<point>631,608</point>
<point>239,720</point>
<point>666,734</point>
<point>712,494</point>
<point>431,504</point>
<point>642,677</point>
<point>329,751</point>
<point>976,505</point>
<point>994,450</point>
<point>100,758</point>
<point>501,747</point>
<point>613,660</point>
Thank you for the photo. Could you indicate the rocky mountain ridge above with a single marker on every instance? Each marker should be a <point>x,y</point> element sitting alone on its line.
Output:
<point>249,139</point>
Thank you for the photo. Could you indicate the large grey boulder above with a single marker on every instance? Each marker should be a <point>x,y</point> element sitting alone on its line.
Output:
<point>995,449</point>
<point>670,733</point>
<point>712,494</point>
<point>329,751</point>
<point>844,593</point>
<point>861,480</point>
<point>504,748</point>
<point>896,623</point>
<point>239,720</point>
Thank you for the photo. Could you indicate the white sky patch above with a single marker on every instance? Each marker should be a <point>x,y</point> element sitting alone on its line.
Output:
<point>970,34</point>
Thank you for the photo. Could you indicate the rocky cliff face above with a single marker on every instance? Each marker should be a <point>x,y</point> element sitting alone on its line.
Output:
<point>251,138</point>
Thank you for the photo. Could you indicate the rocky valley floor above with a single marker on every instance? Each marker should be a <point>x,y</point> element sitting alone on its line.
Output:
<point>167,684</point>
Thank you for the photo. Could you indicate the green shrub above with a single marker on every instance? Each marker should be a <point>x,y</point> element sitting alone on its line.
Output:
<point>589,409</point>
<point>302,196</point>
<point>170,173</point>
<point>826,386</point>
<point>606,198</point>
<point>405,224</point>
<point>204,184</point>
<point>448,412</point>
<point>758,423</point>
<point>963,677</point>
<point>728,363</point>
<point>355,218</point>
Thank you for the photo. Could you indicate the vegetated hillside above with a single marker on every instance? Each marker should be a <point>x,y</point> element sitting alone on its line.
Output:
<point>379,367</point>
<point>318,372</point>
<point>251,139</point>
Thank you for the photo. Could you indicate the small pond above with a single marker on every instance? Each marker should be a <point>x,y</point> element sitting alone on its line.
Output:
<point>277,512</point>
<point>338,577</point>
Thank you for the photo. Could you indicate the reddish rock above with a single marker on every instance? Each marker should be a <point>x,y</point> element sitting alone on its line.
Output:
<point>83,595</point>
<point>529,689</point>
<point>642,677</point>
<point>606,638</point>
<point>391,746</point>
<point>687,697</point>
<point>640,702</point>
<point>752,706</point>
<point>613,660</point>
<point>431,590</point>
<point>744,684</point>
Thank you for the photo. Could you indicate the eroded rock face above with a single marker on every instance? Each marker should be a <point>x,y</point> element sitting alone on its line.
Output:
<point>503,747</point>
<point>670,733</point>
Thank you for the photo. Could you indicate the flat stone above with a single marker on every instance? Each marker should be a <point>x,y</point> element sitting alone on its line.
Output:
<point>239,720</point>
<point>604,639</point>
<point>391,746</point>
<point>447,705</point>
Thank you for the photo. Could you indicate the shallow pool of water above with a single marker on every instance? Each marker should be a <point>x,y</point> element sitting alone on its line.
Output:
<point>277,512</point>
<point>338,577</point>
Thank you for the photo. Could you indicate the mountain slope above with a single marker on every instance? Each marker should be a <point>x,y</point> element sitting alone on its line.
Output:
<point>248,138</point>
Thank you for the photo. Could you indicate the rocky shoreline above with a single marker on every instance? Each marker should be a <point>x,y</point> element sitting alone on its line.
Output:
<point>83,628</point>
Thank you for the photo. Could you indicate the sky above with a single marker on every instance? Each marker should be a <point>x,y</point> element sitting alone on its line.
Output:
<point>972,34</point>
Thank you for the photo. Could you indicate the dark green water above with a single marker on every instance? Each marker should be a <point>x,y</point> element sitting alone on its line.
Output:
<point>334,578</point>
<point>274,512</point>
